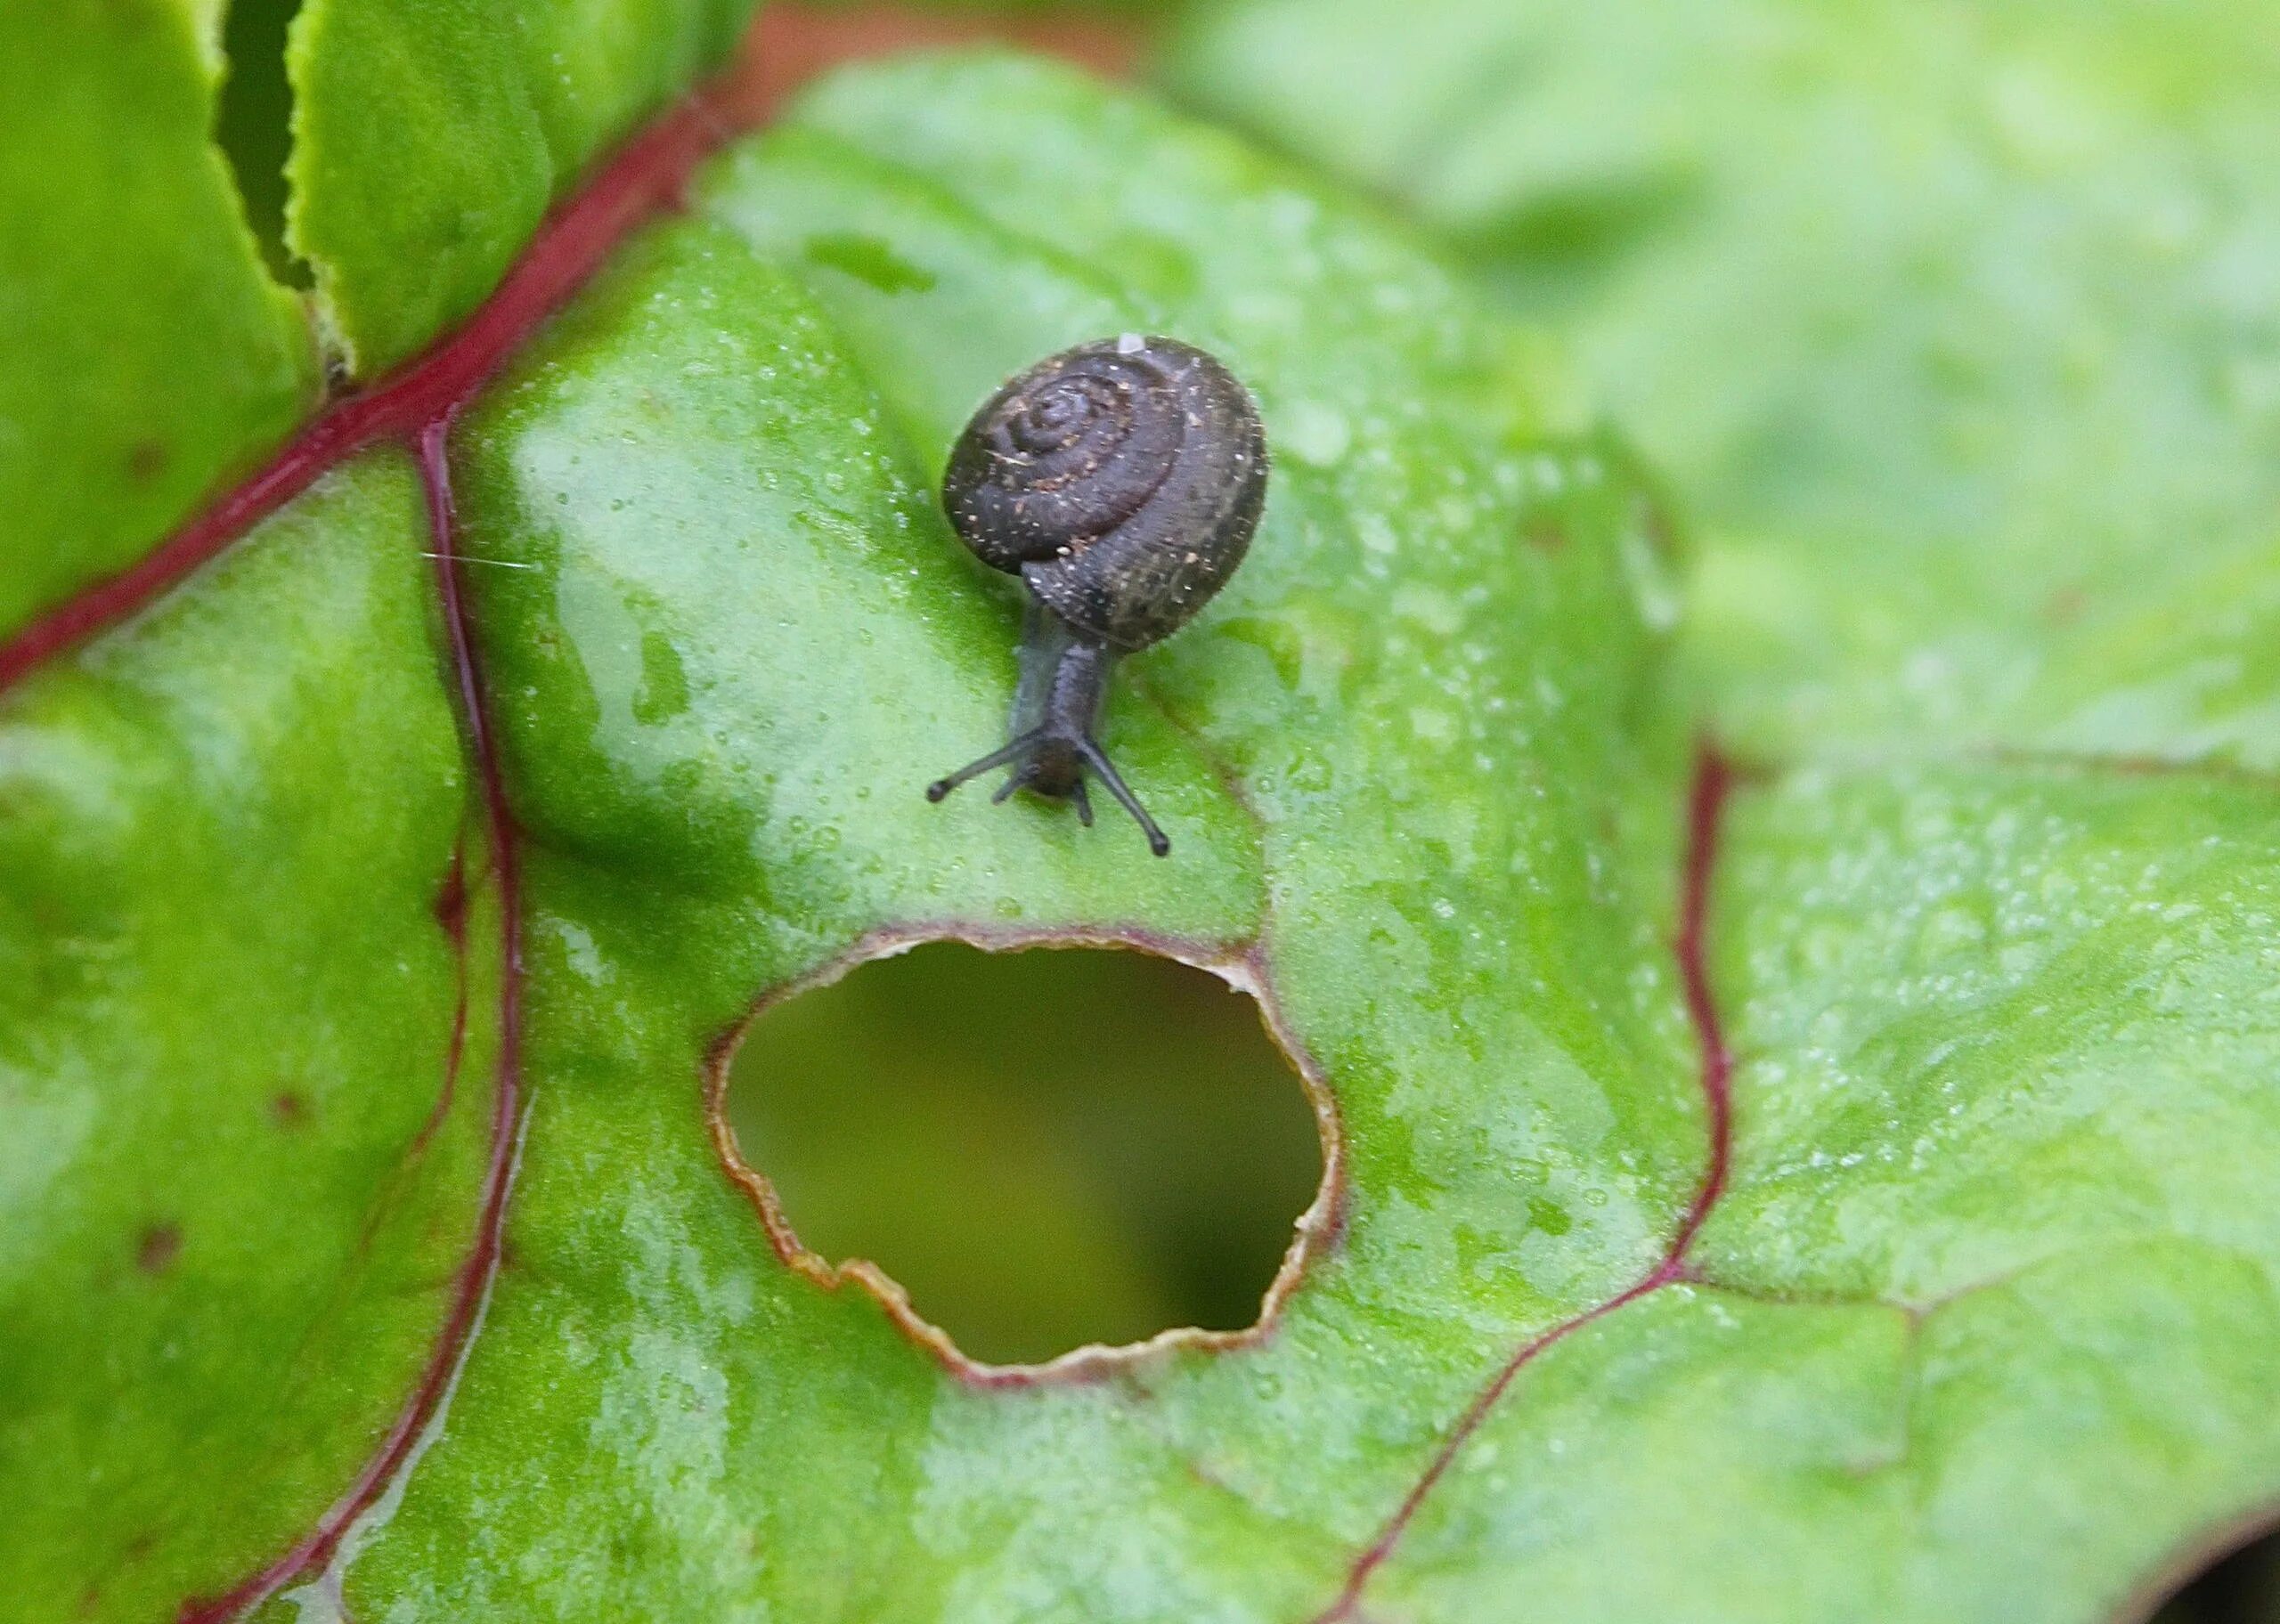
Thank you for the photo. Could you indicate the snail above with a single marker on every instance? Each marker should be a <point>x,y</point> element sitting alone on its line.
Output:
<point>1122,481</point>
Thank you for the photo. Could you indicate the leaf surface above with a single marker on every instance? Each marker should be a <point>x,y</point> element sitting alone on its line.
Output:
<point>432,136</point>
<point>239,1177</point>
<point>1953,322</point>
<point>732,674</point>
<point>1949,317</point>
<point>417,925</point>
<point>725,636</point>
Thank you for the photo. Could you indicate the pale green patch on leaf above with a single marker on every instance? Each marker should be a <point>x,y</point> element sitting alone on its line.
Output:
<point>1956,324</point>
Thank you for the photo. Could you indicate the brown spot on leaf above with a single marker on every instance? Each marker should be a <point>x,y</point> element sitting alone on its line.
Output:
<point>146,460</point>
<point>2065,605</point>
<point>1546,535</point>
<point>1662,533</point>
<point>290,1109</point>
<point>156,1252</point>
<point>451,899</point>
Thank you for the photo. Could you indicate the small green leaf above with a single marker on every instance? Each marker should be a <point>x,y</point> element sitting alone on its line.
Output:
<point>144,353</point>
<point>430,136</point>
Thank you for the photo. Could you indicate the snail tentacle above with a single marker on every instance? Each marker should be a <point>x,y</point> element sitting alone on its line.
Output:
<point>1097,759</point>
<point>975,769</point>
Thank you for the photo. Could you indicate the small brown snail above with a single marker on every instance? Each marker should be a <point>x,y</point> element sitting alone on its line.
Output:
<point>1122,481</point>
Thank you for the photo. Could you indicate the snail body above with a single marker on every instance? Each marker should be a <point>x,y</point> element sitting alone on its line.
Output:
<point>1122,481</point>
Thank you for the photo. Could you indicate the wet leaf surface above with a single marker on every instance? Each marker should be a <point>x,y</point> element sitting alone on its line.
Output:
<point>380,949</point>
<point>1948,321</point>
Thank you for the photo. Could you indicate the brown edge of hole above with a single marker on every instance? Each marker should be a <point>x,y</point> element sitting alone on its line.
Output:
<point>1315,1232</point>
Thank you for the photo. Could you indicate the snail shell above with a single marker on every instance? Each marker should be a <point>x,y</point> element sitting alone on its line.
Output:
<point>1121,480</point>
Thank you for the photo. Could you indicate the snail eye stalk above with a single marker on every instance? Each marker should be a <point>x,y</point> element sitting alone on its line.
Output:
<point>975,769</point>
<point>1158,842</point>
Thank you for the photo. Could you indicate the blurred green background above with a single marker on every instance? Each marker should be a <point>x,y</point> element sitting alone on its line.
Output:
<point>1045,1149</point>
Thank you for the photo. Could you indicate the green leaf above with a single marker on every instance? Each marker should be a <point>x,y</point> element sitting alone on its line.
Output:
<point>237,1180</point>
<point>728,637</point>
<point>1953,322</point>
<point>122,407</point>
<point>1980,1325</point>
<point>431,135</point>
<point>150,358</point>
<point>723,459</point>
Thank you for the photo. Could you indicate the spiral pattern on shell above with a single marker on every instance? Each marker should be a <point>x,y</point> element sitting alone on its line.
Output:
<point>1121,479</point>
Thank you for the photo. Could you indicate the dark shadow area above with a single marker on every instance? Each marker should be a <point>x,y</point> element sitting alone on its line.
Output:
<point>255,125</point>
<point>2241,1588</point>
<point>1559,250</point>
<point>1044,1148</point>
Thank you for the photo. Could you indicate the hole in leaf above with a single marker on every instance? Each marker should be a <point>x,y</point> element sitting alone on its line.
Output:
<point>254,126</point>
<point>2242,1588</point>
<point>1044,1148</point>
